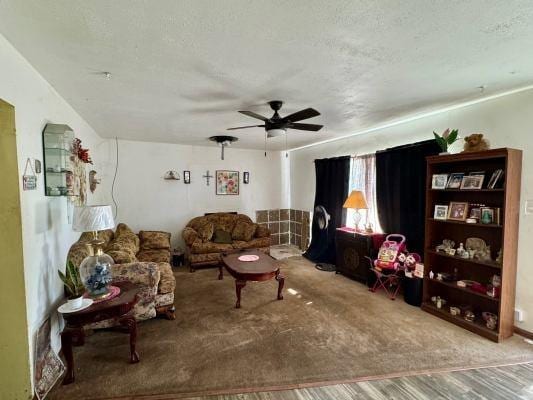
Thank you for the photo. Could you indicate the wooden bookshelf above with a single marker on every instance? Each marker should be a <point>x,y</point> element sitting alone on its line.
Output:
<point>499,236</point>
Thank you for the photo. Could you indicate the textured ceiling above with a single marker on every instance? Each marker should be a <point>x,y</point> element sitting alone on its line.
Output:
<point>181,69</point>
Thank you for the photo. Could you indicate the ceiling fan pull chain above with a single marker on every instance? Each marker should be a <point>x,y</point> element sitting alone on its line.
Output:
<point>286,137</point>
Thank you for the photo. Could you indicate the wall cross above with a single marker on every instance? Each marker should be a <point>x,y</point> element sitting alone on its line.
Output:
<point>207,177</point>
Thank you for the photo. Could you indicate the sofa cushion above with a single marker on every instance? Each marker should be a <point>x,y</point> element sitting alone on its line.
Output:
<point>262,232</point>
<point>252,244</point>
<point>123,243</point>
<point>206,258</point>
<point>222,237</point>
<point>206,231</point>
<point>151,240</point>
<point>190,236</point>
<point>77,253</point>
<point>167,282</point>
<point>154,255</point>
<point>243,231</point>
<point>105,235</point>
<point>210,247</point>
<point>223,221</point>
<point>121,256</point>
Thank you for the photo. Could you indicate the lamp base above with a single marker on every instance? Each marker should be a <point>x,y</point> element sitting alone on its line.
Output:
<point>95,270</point>
<point>356,220</point>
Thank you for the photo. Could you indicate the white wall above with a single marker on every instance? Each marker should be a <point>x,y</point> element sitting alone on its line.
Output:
<point>46,232</point>
<point>147,201</point>
<point>506,121</point>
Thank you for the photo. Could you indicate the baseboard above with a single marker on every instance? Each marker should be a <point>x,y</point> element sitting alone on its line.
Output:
<point>523,332</point>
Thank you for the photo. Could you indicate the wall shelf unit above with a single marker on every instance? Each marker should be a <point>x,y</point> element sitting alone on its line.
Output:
<point>58,175</point>
<point>502,236</point>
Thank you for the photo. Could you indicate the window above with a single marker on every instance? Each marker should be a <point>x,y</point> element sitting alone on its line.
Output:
<point>363,178</point>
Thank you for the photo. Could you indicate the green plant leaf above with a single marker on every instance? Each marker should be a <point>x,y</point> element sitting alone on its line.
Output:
<point>453,136</point>
<point>441,142</point>
<point>70,288</point>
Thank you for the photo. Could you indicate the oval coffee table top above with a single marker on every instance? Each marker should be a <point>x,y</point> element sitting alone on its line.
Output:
<point>264,265</point>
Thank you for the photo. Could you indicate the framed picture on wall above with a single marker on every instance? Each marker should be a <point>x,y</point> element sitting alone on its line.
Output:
<point>227,182</point>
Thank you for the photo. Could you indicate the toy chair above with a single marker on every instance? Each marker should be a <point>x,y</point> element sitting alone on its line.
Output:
<point>389,265</point>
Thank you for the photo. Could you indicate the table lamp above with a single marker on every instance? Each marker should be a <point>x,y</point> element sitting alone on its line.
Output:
<point>95,269</point>
<point>356,200</point>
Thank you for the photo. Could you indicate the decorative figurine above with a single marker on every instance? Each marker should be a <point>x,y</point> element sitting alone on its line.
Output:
<point>445,246</point>
<point>460,250</point>
<point>499,259</point>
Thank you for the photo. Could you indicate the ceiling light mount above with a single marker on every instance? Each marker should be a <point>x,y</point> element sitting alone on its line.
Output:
<point>223,141</point>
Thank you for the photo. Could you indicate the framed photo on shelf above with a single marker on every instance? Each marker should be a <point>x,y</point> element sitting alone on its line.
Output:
<point>439,181</point>
<point>475,212</point>
<point>495,178</point>
<point>455,180</point>
<point>441,212</point>
<point>487,215</point>
<point>472,182</point>
<point>458,211</point>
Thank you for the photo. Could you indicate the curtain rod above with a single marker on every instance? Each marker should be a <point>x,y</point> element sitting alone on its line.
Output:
<point>354,156</point>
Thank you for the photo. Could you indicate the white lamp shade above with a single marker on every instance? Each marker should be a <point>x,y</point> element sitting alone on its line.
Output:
<point>92,218</point>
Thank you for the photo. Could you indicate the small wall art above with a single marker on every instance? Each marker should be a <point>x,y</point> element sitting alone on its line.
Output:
<point>227,182</point>
<point>29,181</point>
<point>172,175</point>
<point>246,177</point>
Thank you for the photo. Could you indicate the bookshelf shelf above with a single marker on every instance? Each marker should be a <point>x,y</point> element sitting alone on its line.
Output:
<point>502,236</point>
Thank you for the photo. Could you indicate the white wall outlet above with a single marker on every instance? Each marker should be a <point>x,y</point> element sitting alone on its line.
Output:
<point>518,315</point>
<point>528,207</point>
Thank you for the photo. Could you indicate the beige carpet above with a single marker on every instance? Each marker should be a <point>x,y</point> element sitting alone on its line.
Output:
<point>328,328</point>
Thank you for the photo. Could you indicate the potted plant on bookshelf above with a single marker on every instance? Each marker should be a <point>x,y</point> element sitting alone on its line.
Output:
<point>446,139</point>
<point>73,285</point>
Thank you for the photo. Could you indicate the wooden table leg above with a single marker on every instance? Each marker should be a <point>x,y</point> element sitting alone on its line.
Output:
<point>130,323</point>
<point>220,273</point>
<point>66,346</point>
<point>238,287</point>
<point>281,282</point>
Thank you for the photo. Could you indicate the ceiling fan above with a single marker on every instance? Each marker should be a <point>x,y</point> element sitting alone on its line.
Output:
<point>277,125</point>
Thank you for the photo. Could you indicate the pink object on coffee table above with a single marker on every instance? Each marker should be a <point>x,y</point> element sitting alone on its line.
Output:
<point>114,291</point>
<point>248,257</point>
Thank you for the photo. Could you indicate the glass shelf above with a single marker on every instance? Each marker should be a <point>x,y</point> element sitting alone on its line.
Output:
<point>57,140</point>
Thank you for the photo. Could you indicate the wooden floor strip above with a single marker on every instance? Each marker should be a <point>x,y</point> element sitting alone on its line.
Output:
<point>506,381</point>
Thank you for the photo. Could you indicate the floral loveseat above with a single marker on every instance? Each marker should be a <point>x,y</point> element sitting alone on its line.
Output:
<point>143,259</point>
<point>201,232</point>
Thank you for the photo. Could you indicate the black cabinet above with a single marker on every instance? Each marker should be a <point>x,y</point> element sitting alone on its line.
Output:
<point>352,250</point>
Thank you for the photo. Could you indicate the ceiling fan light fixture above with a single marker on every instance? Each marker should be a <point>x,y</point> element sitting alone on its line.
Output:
<point>223,141</point>
<point>276,132</point>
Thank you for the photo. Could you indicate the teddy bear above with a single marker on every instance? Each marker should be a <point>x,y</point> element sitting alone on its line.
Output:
<point>475,142</point>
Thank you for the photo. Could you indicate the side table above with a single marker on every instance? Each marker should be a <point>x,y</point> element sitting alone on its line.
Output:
<point>178,258</point>
<point>117,307</point>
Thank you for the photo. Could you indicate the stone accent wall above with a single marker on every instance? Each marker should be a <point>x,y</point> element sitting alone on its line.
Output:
<point>286,225</point>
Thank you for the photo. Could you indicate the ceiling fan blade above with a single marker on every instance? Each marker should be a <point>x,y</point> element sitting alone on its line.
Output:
<point>244,127</point>
<point>299,115</point>
<point>254,115</point>
<point>306,127</point>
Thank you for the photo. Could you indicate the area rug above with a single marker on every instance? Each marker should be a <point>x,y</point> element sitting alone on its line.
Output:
<point>327,329</point>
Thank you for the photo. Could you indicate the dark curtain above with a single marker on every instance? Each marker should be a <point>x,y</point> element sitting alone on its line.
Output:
<point>332,184</point>
<point>401,190</point>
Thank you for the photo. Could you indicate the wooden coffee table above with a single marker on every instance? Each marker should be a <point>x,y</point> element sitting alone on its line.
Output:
<point>117,307</point>
<point>261,270</point>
